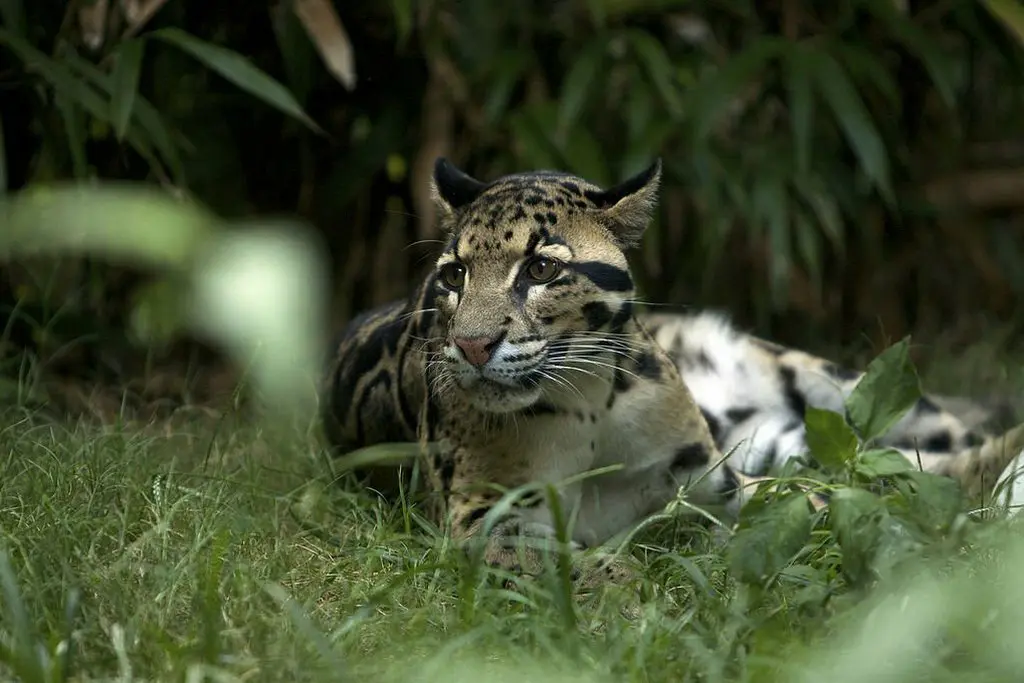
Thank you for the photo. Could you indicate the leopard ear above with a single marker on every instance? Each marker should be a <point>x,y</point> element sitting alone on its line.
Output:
<point>451,188</point>
<point>626,209</point>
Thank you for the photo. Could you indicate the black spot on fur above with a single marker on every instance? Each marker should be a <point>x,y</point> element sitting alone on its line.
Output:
<point>621,317</point>
<point>730,486</point>
<point>794,399</point>
<point>508,235</point>
<point>478,513</point>
<point>531,244</point>
<point>792,426</point>
<point>738,415</point>
<point>690,456</point>
<point>926,405</point>
<point>941,441</point>
<point>605,276</point>
<point>973,439</point>
<point>647,366</point>
<point>447,470</point>
<point>621,381</point>
<point>841,373</point>
<point>543,408</point>
<point>714,426</point>
<point>770,456</point>
<point>597,314</point>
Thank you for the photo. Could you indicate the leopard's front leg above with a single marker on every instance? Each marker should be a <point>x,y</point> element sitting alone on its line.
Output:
<point>516,534</point>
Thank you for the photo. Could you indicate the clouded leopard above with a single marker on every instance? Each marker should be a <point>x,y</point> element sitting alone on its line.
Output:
<point>523,356</point>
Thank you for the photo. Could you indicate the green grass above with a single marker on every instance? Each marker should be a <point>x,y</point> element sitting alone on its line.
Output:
<point>220,548</point>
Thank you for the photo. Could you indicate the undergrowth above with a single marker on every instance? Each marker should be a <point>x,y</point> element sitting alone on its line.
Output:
<point>226,552</point>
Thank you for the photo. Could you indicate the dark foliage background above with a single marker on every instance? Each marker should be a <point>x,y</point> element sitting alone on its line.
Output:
<point>837,174</point>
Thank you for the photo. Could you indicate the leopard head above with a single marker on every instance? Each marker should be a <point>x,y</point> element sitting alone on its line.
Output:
<point>533,287</point>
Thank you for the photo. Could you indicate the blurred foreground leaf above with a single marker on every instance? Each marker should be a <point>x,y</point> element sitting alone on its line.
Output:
<point>255,290</point>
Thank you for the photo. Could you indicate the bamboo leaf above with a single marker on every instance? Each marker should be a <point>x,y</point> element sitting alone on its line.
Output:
<point>855,121</point>
<point>718,91</point>
<point>240,71</point>
<point>3,163</point>
<point>659,69</point>
<point>579,82</point>
<point>325,29</point>
<point>146,117</point>
<point>771,204</point>
<point>920,44</point>
<point>509,70</point>
<point>125,84</point>
<point>809,244</point>
<point>1011,13</point>
<point>74,130</point>
<point>825,210</point>
<point>801,106</point>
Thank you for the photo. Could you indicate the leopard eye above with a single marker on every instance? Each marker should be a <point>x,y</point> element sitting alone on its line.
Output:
<point>541,270</point>
<point>453,275</point>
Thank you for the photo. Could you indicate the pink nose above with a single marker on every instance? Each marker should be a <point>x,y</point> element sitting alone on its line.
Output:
<point>477,350</point>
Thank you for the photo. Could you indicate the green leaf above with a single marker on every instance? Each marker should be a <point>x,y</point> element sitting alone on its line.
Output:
<point>865,68</point>
<point>1011,13</point>
<point>832,442</point>
<point>882,462</point>
<point>717,91</point>
<point>932,500</point>
<point>773,536</point>
<point>509,69</point>
<point>918,42</point>
<point>3,162</point>
<point>297,51</point>
<point>809,244</point>
<point>74,129</point>
<point>771,205</point>
<point>583,76</point>
<point>531,126</point>
<point>855,121</point>
<point>145,115</point>
<point>801,105</point>
<point>63,82</point>
<point>126,83</point>
<point>402,10</point>
<point>856,518</point>
<point>659,69</point>
<point>888,389</point>
<point>826,211</point>
<point>12,12</point>
<point>23,652</point>
<point>240,71</point>
<point>81,218</point>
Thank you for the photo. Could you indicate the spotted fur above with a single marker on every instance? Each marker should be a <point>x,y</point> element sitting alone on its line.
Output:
<point>522,356</point>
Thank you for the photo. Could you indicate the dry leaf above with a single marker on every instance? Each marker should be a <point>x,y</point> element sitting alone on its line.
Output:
<point>137,13</point>
<point>92,20</point>
<point>325,30</point>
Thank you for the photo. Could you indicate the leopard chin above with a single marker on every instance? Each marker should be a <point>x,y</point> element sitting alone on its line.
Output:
<point>490,396</point>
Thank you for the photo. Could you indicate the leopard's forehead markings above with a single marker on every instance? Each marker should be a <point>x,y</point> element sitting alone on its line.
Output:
<point>517,214</point>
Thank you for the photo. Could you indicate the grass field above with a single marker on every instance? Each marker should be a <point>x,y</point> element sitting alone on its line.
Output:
<point>217,549</point>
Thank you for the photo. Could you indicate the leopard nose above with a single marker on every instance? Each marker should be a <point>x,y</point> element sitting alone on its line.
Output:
<point>477,350</point>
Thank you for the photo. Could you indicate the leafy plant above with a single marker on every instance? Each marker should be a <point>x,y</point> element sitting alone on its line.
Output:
<point>881,509</point>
